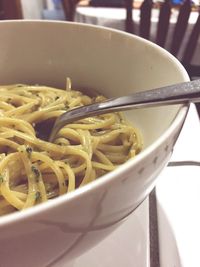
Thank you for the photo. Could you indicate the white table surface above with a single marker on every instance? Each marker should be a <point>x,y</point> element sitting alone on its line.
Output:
<point>115,17</point>
<point>178,198</point>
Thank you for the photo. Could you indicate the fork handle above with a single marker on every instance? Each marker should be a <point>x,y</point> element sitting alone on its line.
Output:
<point>181,93</point>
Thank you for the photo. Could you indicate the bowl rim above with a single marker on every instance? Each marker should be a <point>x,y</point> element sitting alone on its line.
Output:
<point>16,217</point>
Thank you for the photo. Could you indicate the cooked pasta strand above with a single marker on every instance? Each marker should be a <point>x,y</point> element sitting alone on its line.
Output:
<point>33,170</point>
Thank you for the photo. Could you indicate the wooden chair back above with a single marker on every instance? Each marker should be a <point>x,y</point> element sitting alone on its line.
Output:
<point>10,9</point>
<point>69,7</point>
<point>163,27</point>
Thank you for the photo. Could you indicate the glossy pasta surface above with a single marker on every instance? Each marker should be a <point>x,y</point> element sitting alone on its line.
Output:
<point>32,170</point>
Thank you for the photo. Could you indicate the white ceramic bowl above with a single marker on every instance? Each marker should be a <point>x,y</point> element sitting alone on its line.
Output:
<point>114,63</point>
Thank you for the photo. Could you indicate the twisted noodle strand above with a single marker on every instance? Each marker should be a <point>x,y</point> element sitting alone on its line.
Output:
<point>32,170</point>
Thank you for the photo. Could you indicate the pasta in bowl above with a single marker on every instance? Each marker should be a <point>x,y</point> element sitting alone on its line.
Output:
<point>112,63</point>
<point>34,170</point>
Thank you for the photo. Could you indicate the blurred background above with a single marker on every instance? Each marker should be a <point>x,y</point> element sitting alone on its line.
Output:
<point>53,9</point>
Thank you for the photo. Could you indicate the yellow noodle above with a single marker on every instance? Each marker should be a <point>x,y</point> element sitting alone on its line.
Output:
<point>20,110</point>
<point>8,143</point>
<point>70,175</point>
<point>103,124</point>
<point>52,164</point>
<point>4,183</point>
<point>5,106</point>
<point>32,185</point>
<point>102,166</point>
<point>17,123</point>
<point>33,170</point>
<point>102,158</point>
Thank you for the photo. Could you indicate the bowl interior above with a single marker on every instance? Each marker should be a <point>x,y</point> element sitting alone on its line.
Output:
<point>110,62</point>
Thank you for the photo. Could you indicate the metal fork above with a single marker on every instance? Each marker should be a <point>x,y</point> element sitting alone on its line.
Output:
<point>181,93</point>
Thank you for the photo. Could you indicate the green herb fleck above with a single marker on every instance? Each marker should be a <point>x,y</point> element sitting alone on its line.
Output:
<point>1,178</point>
<point>36,172</point>
<point>37,195</point>
<point>29,150</point>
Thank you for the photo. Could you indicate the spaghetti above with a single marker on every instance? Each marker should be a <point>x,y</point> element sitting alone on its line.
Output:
<point>33,170</point>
